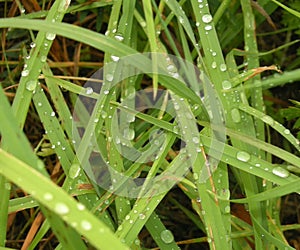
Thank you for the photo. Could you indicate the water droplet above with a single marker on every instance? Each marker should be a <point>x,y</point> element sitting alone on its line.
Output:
<point>109,77</point>
<point>137,242</point>
<point>281,172</point>
<point>286,131</point>
<point>80,206</point>
<point>196,176</point>
<point>48,196</point>
<point>268,119</point>
<point>106,92</point>
<point>243,156</point>
<point>223,67</point>
<point>32,45</point>
<point>226,85</point>
<point>196,140</point>
<point>86,225</point>
<point>128,134</point>
<point>74,170</point>
<point>181,20</point>
<point>50,36</point>
<point>115,58</point>
<point>235,115</point>
<point>43,58</point>
<point>119,38</point>
<point>61,208</point>
<point>103,114</point>
<point>130,118</point>
<point>25,72</point>
<point>227,209</point>
<point>142,216</point>
<point>166,236</point>
<point>31,85</point>
<point>214,65</point>
<point>53,114</point>
<point>208,27</point>
<point>89,91</point>
<point>207,18</point>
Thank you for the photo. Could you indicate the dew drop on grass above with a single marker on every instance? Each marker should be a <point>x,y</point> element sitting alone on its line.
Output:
<point>208,27</point>
<point>281,172</point>
<point>196,140</point>
<point>235,115</point>
<point>74,171</point>
<point>119,37</point>
<point>286,131</point>
<point>195,175</point>
<point>43,58</point>
<point>61,208</point>
<point>32,45</point>
<point>80,206</point>
<point>142,216</point>
<point>48,196</point>
<point>214,65</point>
<point>223,67</point>
<point>53,114</point>
<point>89,90</point>
<point>226,85</point>
<point>227,209</point>
<point>128,134</point>
<point>109,77</point>
<point>207,18</point>
<point>106,92</point>
<point>31,85</point>
<point>50,36</point>
<point>115,58</point>
<point>25,72</point>
<point>166,236</point>
<point>130,118</point>
<point>103,114</point>
<point>86,225</point>
<point>243,156</point>
<point>268,119</point>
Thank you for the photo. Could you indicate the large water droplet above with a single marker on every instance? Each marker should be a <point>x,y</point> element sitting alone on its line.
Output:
<point>48,196</point>
<point>31,85</point>
<point>223,67</point>
<point>89,90</point>
<point>268,119</point>
<point>86,225</point>
<point>25,72</point>
<point>166,236</point>
<point>119,37</point>
<point>115,58</point>
<point>130,118</point>
<point>207,18</point>
<point>74,170</point>
<point>226,85</point>
<point>286,131</point>
<point>208,27</point>
<point>142,216</point>
<point>32,45</point>
<point>128,134</point>
<point>235,115</point>
<point>61,208</point>
<point>43,58</point>
<point>243,156</point>
<point>109,77</point>
<point>281,172</point>
<point>50,36</point>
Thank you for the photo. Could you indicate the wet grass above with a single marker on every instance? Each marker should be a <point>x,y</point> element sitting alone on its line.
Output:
<point>56,190</point>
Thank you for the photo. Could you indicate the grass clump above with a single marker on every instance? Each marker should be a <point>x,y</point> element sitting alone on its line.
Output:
<point>148,124</point>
